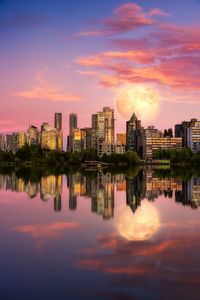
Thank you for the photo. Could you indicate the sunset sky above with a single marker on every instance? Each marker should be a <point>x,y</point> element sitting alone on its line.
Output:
<point>75,56</point>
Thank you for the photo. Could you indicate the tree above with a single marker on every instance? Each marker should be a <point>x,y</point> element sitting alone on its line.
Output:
<point>132,157</point>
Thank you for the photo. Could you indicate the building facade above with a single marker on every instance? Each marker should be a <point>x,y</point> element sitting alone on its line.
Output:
<point>2,142</point>
<point>58,127</point>
<point>132,131</point>
<point>48,137</point>
<point>109,148</point>
<point>121,138</point>
<point>103,125</point>
<point>72,125</point>
<point>33,136</point>
<point>193,136</point>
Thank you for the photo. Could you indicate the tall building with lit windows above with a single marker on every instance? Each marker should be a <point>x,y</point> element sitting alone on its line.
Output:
<point>103,125</point>
<point>58,126</point>
<point>48,137</point>
<point>72,125</point>
<point>72,122</point>
<point>76,140</point>
<point>193,136</point>
<point>189,132</point>
<point>153,140</point>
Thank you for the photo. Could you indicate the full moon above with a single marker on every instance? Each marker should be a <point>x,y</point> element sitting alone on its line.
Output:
<point>139,99</point>
<point>139,226</point>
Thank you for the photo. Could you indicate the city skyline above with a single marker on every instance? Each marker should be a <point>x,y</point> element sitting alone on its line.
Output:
<point>61,59</point>
<point>101,136</point>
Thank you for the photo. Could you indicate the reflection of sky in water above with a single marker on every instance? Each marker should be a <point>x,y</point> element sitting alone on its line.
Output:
<point>59,239</point>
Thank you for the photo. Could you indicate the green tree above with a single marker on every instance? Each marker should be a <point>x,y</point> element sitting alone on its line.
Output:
<point>132,157</point>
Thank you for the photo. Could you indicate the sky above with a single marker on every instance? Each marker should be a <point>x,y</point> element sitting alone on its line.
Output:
<point>76,56</point>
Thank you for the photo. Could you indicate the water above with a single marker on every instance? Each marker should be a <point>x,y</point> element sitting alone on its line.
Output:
<point>100,236</point>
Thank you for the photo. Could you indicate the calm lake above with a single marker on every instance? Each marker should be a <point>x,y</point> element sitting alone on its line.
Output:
<point>99,236</point>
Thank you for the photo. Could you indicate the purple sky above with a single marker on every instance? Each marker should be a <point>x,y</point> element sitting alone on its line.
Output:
<point>75,56</point>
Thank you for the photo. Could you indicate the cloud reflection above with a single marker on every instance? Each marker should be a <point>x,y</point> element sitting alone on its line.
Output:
<point>44,232</point>
<point>171,260</point>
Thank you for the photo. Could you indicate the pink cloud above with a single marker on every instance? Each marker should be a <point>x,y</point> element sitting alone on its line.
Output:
<point>127,17</point>
<point>45,91</point>
<point>167,58</point>
<point>44,232</point>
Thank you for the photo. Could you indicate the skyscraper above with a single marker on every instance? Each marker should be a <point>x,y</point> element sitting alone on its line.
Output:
<point>109,124</point>
<point>72,125</point>
<point>2,142</point>
<point>58,121</point>
<point>48,137</point>
<point>103,124</point>
<point>58,126</point>
<point>132,126</point>
<point>33,135</point>
<point>72,122</point>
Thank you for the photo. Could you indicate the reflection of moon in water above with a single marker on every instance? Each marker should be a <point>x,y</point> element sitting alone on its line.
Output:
<point>139,99</point>
<point>141,225</point>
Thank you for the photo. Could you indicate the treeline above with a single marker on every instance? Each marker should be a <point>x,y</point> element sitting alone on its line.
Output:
<point>185,155</point>
<point>34,155</point>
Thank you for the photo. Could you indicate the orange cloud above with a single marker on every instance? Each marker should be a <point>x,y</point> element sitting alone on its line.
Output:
<point>46,91</point>
<point>166,57</point>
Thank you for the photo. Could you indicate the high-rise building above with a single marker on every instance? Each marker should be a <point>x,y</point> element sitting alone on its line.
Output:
<point>15,142</point>
<point>178,130</point>
<point>58,126</point>
<point>103,125</point>
<point>181,130</point>
<point>2,142</point>
<point>109,124</point>
<point>22,139</point>
<point>193,136</point>
<point>87,138</point>
<point>72,122</point>
<point>33,136</point>
<point>72,125</point>
<point>48,137</point>
<point>8,142</point>
<point>132,128</point>
<point>76,140</point>
<point>58,121</point>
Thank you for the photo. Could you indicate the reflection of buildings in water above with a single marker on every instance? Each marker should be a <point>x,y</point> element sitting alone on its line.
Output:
<point>57,203</point>
<point>48,187</point>
<point>100,189</point>
<point>73,183</point>
<point>103,200</point>
<point>32,189</point>
<point>190,194</point>
<point>158,186</point>
<point>51,187</point>
<point>2,181</point>
<point>16,184</point>
<point>133,197</point>
<point>120,182</point>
